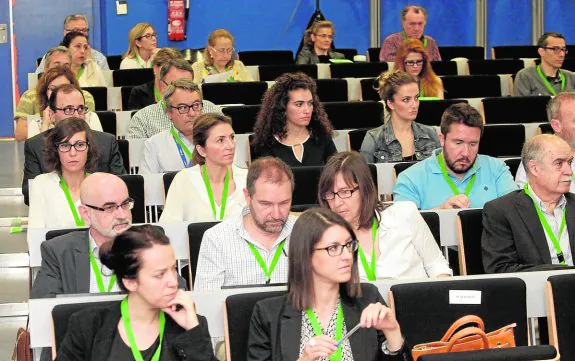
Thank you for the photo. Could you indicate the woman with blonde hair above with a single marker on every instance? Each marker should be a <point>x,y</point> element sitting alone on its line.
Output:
<point>219,58</point>
<point>142,46</point>
<point>412,57</point>
<point>318,40</point>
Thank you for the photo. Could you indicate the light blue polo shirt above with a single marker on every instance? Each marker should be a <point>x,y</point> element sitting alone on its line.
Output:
<point>424,184</point>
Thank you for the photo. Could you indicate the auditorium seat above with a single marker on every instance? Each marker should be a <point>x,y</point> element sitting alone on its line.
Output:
<point>125,91</point>
<point>569,64</point>
<point>495,66</point>
<point>114,61</point>
<point>168,179</point>
<point>332,90</point>
<point>357,70</point>
<point>367,90</point>
<point>373,55</point>
<point>561,314</point>
<point>400,167</point>
<point>193,54</point>
<point>266,57</point>
<point>545,128</point>
<point>353,115</point>
<point>521,353</point>
<point>504,140</point>
<point>513,164</point>
<point>132,77</point>
<point>514,51</point>
<point>135,184</point>
<point>196,232</point>
<point>355,138</point>
<point>469,52</point>
<point>243,117</point>
<point>124,149</point>
<point>471,86</point>
<point>271,72</point>
<point>469,231</point>
<point>430,111</point>
<point>108,121</point>
<point>501,110</point>
<point>248,93</point>
<point>444,67</point>
<point>100,94</point>
<point>347,52</point>
<point>432,221</point>
<point>306,183</point>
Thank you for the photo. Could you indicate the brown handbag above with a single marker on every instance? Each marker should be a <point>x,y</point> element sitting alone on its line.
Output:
<point>468,338</point>
<point>22,347</point>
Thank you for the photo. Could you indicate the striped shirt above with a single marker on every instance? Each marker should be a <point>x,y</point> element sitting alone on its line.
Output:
<point>393,41</point>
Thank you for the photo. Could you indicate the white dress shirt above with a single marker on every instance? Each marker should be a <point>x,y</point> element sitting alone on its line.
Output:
<point>161,154</point>
<point>188,200</point>
<point>104,271</point>
<point>225,258</point>
<point>407,247</point>
<point>521,177</point>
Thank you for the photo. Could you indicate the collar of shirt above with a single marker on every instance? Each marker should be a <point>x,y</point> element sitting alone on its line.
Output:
<point>147,64</point>
<point>183,138</point>
<point>560,205</point>
<point>390,137</point>
<point>96,252</point>
<point>242,232</point>
<point>435,168</point>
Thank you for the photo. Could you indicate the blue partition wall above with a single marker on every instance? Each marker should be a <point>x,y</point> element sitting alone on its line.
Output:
<point>558,16</point>
<point>508,23</point>
<point>6,92</point>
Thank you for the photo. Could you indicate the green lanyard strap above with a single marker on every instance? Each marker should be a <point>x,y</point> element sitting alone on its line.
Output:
<point>98,274</point>
<point>130,333</point>
<point>79,221</point>
<point>157,95</point>
<point>336,356</point>
<point>181,143</point>
<point>546,82</point>
<point>554,238</point>
<point>262,263</point>
<point>211,194</point>
<point>452,185</point>
<point>370,269</point>
<point>80,72</point>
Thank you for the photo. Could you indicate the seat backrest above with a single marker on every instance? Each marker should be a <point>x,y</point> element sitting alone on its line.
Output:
<point>124,149</point>
<point>471,86</point>
<point>357,70</point>
<point>400,167</point>
<point>469,232</point>
<point>503,301</point>
<point>469,52</point>
<point>125,91</point>
<point>271,72</point>
<point>515,51</point>
<point>444,67</point>
<point>495,66</point>
<point>355,138</point>
<point>501,110</point>
<point>332,90</point>
<point>522,353</point>
<point>561,314</point>
<point>243,117</point>
<point>237,317</point>
<point>353,115</point>
<point>266,57</point>
<point>193,55</point>
<point>195,234</point>
<point>432,220</point>
<point>492,140</point>
<point>248,93</point>
<point>108,121</point>
<point>60,232</point>
<point>100,94</point>
<point>430,111</point>
<point>132,77</point>
<point>168,178</point>
<point>114,61</point>
<point>373,55</point>
<point>568,64</point>
<point>367,90</point>
<point>347,52</point>
<point>513,164</point>
<point>135,184</point>
<point>546,128</point>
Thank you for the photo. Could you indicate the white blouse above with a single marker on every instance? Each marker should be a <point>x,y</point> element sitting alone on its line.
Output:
<point>136,63</point>
<point>188,201</point>
<point>407,247</point>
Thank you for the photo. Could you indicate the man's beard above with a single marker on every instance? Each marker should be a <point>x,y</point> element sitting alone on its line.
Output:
<point>451,164</point>
<point>266,226</point>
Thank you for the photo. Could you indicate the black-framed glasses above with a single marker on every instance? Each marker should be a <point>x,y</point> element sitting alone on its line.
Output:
<point>70,110</point>
<point>337,249</point>
<point>111,208</point>
<point>342,194</point>
<point>80,146</point>
<point>556,49</point>
<point>149,36</point>
<point>413,63</point>
<point>185,108</point>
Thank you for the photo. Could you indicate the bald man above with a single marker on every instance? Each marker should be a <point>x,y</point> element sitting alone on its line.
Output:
<point>533,228</point>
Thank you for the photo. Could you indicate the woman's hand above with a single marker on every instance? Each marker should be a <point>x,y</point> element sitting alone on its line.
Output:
<point>186,317</point>
<point>382,318</point>
<point>318,347</point>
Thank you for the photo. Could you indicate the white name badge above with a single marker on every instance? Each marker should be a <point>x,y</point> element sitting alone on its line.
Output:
<point>464,297</point>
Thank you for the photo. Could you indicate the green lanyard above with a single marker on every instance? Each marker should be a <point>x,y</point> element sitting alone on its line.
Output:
<point>262,263</point>
<point>130,333</point>
<point>98,274</point>
<point>546,82</point>
<point>404,36</point>
<point>454,189</point>
<point>80,72</point>
<point>211,194</point>
<point>336,356</point>
<point>79,221</point>
<point>554,239</point>
<point>157,95</point>
<point>370,268</point>
<point>141,62</point>
<point>181,143</point>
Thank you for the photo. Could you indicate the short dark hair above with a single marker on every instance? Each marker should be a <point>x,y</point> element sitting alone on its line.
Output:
<point>179,63</point>
<point>272,169</point>
<point>64,89</point>
<point>306,233</point>
<point>542,42</point>
<point>204,123</point>
<point>71,36</point>
<point>121,255</point>
<point>63,131</point>
<point>461,113</point>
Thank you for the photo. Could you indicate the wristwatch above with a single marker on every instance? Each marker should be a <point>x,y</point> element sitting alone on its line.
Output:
<point>386,350</point>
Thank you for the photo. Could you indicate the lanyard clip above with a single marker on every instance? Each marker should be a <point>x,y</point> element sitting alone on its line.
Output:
<point>561,258</point>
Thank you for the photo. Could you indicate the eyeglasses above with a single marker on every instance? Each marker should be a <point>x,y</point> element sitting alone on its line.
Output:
<point>149,36</point>
<point>110,209</point>
<point>65,147</point>
<point>324,36</point>
<point>342,194</point>
<point>337,249</point>
<point>80,30</point>
<point>557,49</point>
<point>413,63</point>
<point>224,51</point>
<point>185,108</point>
<point>70,110</point>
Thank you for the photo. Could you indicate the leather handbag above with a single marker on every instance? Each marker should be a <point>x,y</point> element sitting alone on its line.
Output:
<point>468,338</point>
<point>22,350</point>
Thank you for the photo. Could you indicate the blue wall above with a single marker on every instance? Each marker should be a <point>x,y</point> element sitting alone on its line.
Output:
<point>6,91</point>
<point>508,23</point>
<point>558,16</point>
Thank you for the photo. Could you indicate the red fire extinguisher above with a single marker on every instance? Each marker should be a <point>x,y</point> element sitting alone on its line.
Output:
<point>178,11</point>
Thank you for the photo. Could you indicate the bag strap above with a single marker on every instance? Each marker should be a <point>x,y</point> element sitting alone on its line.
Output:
<point>461,322</point>
<point>468,331</point>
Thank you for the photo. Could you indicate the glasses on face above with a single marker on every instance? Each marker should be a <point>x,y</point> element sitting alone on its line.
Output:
<point>80,30</point>
<point>337,249</point>
<point>70,110</point>
<point>342,194</point>
<point>224,51</point>
<point>110,209</point>
<point>324,36</point>
<point>557,49</point>
<point>413,63</point>
<point>149,36</point>
<point>65,147</point>
<point>185,108</point>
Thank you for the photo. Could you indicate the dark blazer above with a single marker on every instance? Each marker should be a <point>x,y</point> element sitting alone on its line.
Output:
<point>308,56</point>
<point>109,158</point>
<point>513,238</point>
<point>275,330</point>
<point>141,96</point>
<point>91,332</point>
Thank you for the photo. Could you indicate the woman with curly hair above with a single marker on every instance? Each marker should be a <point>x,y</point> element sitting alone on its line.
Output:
<point>292,124</point>
<point>412,57</point>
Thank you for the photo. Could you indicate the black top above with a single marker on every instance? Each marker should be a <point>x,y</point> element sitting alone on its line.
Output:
<point>141,96</point>
<point>121,351</point>
<point>323,59</point>
<point>316,151</point>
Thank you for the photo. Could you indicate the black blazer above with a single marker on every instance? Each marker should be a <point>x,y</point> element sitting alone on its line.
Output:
<point>141,96</point>
<point>275,330</point>
<point>513,238</point>
<point>109,157</point>
<point>91,332</point>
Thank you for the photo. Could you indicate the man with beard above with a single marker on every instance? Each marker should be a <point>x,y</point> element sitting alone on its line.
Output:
<point>252,248</point>
<point>455,176</point>
<point>561,115</point>
<point>532,229</point>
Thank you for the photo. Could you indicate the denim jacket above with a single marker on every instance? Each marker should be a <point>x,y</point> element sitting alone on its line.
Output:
<point>381,146</point>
